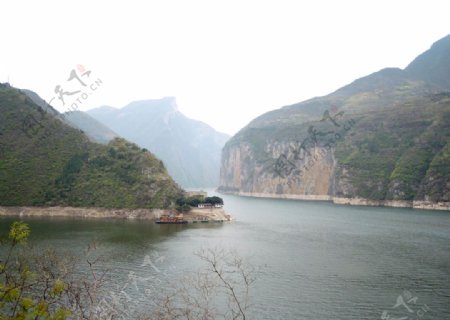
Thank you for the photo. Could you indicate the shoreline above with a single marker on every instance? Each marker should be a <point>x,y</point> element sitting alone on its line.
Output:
<point>211,214</point>
<point>83,212</point>
<point>107,213</point>
<point>412,204</point>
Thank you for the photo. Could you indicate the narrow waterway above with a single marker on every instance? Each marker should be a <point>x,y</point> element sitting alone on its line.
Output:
<point>316,260</point>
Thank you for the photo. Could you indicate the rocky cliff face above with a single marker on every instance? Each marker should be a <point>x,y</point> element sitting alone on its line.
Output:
<point>384,138</point>
<point>310,173</point>
<point>400,154</point>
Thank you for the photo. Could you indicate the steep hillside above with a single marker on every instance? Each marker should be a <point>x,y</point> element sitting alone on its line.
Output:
<point>383,137</point>
<point>43,161</point>
<point>41,102</point>
<point>433,65</point>
<point>95,130</point>
<point>190,149</point>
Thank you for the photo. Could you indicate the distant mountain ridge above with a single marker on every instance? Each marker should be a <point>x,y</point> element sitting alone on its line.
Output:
<point>384,137</point>
<point>190,149</point>
<point>46,162</point>
<point>433,66</point>
<point>95,130</point>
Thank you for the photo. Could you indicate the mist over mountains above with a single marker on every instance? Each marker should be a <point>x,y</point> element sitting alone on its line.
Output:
<point>190,149</point>
<point>94,129</point>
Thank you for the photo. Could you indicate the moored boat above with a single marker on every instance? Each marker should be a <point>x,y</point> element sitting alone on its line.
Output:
<point>171,219</point>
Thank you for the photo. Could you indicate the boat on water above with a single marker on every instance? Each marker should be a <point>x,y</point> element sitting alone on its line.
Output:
<point>171,222</point>
<point>171,219</point>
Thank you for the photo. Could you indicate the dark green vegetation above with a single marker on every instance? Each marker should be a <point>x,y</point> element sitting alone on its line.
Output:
<point>45,162</point>
<point>184,204</point>
<point>190,149</point>
<point>31,287</point>
<point>400,153</point>
<point>398,145</point>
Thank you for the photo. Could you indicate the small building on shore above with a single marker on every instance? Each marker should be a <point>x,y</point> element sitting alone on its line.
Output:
<point>204,206</point>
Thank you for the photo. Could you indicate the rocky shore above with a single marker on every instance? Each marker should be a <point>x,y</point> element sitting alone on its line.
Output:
<point>427,205</point>
<point>213,214</point>
<point>95,213</point>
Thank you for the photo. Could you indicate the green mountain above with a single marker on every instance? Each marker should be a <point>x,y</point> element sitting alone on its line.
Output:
<point>383,137</point>
<point>190,149</point>
<point>45,162</point>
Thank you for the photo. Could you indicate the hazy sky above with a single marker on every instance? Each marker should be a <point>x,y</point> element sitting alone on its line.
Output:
<point>226,62</point>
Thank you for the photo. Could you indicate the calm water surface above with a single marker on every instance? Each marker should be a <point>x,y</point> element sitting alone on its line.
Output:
<point>317,260</point>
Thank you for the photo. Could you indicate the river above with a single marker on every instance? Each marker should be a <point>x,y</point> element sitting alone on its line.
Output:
<point>315,260</point>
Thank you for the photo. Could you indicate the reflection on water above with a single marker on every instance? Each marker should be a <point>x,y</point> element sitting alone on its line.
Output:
<point>317,260</point>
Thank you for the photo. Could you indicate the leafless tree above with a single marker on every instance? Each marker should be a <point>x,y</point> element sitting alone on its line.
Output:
<point>219,291</point>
